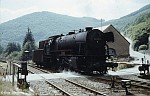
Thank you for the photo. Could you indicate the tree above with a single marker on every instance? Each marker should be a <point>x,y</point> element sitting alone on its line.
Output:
<point>141,39</point>
<point>14,56</point>
<point>143,47</point>
<point>28,37</point>
<point>28,44</point>
<point>28,47</point>
<point>136,45</point>
<point>1,49</point>
<point>11,47</point>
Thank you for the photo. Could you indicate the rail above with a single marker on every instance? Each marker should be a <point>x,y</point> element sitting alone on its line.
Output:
<point>91,90</point>
<point>134,83</point>
<point>64,92</point>
<point>76,84</point>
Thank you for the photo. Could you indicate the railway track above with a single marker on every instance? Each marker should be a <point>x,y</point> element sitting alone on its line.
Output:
<point>33,69</point>
<point>67,87</point>
<point>71,88</point>
<point>134,83</point>
<point>57,85</point>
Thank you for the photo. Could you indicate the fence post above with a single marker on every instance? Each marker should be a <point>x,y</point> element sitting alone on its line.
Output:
<point>13,75</point>
<point>10,68</point>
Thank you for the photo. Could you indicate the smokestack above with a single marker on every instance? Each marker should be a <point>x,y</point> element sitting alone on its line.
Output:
<point>89,28</point>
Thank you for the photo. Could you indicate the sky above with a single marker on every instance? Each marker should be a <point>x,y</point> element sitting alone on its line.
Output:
<point>100,9</point>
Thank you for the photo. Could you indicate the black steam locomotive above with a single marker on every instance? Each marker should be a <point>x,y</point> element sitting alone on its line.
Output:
<point>84,51</point>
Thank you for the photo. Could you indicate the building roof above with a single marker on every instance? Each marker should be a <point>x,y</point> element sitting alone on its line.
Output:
<point>103,28</point>
<point>120,44</point>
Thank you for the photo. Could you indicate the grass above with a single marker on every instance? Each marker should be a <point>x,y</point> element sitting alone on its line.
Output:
<point>124,66</point>
<point>5,88</point>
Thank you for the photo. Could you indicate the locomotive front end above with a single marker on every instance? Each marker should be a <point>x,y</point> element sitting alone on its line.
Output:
<point>95,42</point>
<point>97,50</point>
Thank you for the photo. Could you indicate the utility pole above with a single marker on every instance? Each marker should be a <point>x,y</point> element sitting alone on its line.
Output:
<point>10,68</point>
<point>0,12</point>
<point>13,75</point>
<point>101,24</point>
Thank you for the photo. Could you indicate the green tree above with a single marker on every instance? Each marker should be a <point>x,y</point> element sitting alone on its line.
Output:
<point>14,56</point>
<point>141,39</point>
<point>136,45</point>
<point>140,28</point>
<point>11,47</point>
<point>28,47</point>
<point>1,49</point>
<point>28,44</point>
<point>28,37</point>
<point>143,47</point>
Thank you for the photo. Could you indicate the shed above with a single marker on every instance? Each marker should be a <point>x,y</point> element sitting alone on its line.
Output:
<point>120,44</point>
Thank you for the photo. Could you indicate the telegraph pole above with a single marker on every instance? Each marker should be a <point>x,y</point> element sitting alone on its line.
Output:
<point>101,24</point>
<point>13,75</point>
<point>0,12</point>
<point>0,23</point>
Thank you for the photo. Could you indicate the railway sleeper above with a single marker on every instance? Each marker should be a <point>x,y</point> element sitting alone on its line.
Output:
<point>89,89</point>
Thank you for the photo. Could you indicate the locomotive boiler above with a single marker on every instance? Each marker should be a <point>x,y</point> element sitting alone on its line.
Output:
<point>84,51</point>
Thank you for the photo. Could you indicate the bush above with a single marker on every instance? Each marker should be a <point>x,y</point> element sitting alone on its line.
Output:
<point>14,56</point>
<point>143,47</point>
<point>124,66</point>
<point>11,47</point>
<point>136,45</point>
<point>5,87</point>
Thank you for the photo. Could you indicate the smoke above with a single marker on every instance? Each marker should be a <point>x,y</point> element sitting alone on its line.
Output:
<point>71,73</point>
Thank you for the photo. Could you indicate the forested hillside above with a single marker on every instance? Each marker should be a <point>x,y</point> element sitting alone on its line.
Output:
<point>139,31</point>
<point>123,23</point>
<point>42,24</point>
<point>136,26</point>
<point>139,26</point>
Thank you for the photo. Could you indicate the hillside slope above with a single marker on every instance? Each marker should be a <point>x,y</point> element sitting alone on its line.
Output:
<point>123,23</point>
<point>42,24</point>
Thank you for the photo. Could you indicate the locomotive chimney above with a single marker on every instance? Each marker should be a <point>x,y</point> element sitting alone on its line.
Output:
<point>89,28</point>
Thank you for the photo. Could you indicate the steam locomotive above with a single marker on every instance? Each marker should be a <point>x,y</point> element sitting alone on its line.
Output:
<point>85,51</point>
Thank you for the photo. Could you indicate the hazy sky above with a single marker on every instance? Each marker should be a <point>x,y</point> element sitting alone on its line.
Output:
<point>106,9</point>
